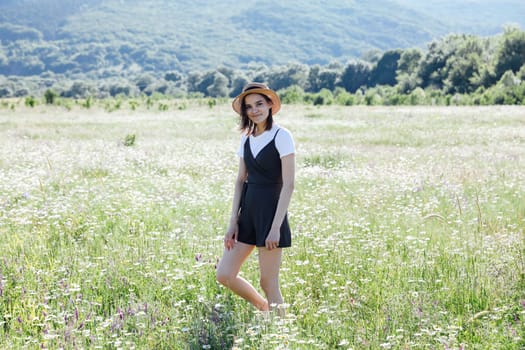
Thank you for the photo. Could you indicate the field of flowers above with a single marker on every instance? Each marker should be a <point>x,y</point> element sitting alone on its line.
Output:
<point>408,229</point>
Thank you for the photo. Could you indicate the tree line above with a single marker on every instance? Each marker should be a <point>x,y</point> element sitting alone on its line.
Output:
<point>458,67</point>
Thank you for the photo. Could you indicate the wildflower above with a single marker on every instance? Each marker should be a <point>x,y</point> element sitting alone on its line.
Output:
<point>343,343</point>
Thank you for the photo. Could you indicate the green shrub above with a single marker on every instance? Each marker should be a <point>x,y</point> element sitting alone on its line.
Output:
<point>30,101</point>
<point>323,97</point>
<point>397,99</point>
<point>212,102</point>
<point>343,97</point>
<point>292,94</point>
<point>373,98</point>
<point>129,140</point>
<point>417,96</point>
<point>88,102</point>
<point>133,104</point>
<point>50,96</point>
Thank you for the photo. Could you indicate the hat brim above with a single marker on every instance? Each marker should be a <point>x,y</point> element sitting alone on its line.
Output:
<point>276,101</point>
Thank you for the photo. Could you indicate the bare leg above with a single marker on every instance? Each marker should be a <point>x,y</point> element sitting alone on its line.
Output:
<point>269,265</point>
<point>228,275</point>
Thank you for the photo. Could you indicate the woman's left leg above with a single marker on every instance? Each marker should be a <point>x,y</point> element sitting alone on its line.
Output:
<point>269,265</point>
<point>228,274</point>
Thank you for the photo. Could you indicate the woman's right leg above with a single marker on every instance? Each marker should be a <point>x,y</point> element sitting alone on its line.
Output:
<point>269,265</point>
<point>228,275</point>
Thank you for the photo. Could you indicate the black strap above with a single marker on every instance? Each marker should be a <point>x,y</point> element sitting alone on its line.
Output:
<point>274,136</point>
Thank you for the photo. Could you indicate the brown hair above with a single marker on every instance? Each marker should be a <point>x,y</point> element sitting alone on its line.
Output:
<point>246,124</point>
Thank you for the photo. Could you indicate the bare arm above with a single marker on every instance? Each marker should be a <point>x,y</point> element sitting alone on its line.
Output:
<point>288,173</point>
<point>239,182</point>
<point>231,233</point>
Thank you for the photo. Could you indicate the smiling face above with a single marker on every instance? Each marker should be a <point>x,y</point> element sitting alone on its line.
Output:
<point>257,108</point>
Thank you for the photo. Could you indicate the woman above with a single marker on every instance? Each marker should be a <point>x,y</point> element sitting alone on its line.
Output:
<point>263,189</point>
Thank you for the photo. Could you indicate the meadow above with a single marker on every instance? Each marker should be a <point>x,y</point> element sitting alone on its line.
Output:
<point>408,229</point>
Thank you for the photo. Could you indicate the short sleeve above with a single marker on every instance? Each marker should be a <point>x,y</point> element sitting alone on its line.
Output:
<point>284,142</point>
<point>240,150</point>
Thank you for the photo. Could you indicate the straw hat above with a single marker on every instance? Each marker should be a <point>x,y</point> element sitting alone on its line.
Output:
<point>257,88</point>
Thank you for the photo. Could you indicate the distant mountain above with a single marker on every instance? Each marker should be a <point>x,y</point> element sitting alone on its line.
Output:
<point>479,17</point>
<point>121,37</point>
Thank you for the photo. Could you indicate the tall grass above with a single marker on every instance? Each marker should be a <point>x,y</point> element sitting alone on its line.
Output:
<point>408,230</point>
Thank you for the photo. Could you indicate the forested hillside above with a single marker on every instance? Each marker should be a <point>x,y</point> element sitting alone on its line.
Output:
<point>482,17</point>
<point>95,36</point>
<point>130,46</point>
<point>127,35</point>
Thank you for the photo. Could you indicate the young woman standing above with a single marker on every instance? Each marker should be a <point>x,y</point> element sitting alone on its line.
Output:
<point>263,189</point>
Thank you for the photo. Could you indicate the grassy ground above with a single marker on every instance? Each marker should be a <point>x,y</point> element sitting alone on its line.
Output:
<point>408,229</point>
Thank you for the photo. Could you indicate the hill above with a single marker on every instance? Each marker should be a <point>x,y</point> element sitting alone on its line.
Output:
<point>126,37</point>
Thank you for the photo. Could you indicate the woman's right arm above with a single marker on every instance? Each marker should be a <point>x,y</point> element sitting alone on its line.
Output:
<point>231,234</point>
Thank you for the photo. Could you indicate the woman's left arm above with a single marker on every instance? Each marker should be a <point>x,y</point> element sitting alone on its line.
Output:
<point>288,173</point>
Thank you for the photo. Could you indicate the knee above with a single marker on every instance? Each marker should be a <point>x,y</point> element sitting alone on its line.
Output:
<point>269,284</point>
<point>223,277</point>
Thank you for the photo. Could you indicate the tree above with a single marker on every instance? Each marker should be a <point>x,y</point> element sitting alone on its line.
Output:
<point>193,80</point>
<point>432,64</point>
<point>355,75</point>
<point>407,66</point>
<point>199,82</point>
<point>50,96</point>
<point>5,91</point>
<point>219,87</point>
<point>79,89</point>
<point>511,52</point>
<point>173,76</point>
<point>328,78</point>
<point>122,87</point>
<point>312,82</point>
<point>462,71</point>
<point>453,63</point>
<point>463,68</point>
<point>409,61</point>
<point>144,81</point>
<point>291,74</point>
<point>228,73</point>
<point>23,66</point>
<point>237,85</point>
<point>384,72</point>
<point>322,78</point>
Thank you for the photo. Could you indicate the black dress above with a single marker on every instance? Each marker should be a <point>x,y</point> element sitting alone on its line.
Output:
<point>261,195</point>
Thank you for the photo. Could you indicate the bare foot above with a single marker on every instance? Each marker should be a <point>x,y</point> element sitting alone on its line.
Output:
<point>264,306</point>
<point>280,310</point>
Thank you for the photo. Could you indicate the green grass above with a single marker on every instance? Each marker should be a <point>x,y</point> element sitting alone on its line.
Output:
<point>408,230</point>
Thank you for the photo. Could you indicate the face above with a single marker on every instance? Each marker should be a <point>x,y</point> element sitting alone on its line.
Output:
<point>257,108</point>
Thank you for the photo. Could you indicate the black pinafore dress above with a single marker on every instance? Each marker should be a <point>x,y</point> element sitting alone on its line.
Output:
<point>261,195</point>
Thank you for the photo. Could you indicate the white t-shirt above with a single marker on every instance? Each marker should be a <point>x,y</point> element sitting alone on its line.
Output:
<point>283,141</point>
